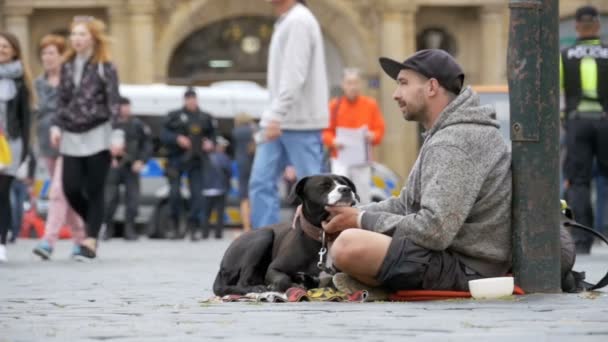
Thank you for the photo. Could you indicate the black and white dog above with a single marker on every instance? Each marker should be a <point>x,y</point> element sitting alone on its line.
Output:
<point>280,256</point>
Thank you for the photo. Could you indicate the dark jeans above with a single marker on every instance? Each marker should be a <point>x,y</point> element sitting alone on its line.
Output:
<point>18,197</point>
<point>586,140</point>
<point>116,177</point>
<point>217,204</point>
<point>5,206</point>
<point>84,181</point>
<point>195,184</point>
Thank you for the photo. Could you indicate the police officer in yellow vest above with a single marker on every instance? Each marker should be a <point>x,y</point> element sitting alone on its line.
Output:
<point>584,79</point>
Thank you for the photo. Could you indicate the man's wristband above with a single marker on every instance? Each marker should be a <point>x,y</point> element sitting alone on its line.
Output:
<point>359,218</point>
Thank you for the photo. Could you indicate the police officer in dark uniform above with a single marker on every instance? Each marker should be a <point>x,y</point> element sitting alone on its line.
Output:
<point>584,78</point>
<point>189,135</point>
<point>130,147</point>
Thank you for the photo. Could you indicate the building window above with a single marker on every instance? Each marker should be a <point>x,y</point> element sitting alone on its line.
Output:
<point>436,38</point>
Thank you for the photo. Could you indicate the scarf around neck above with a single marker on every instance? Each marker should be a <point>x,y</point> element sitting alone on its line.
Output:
<point>8,73</point>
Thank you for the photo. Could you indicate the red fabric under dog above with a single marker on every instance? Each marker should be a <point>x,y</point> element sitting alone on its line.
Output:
<point>424,295</point>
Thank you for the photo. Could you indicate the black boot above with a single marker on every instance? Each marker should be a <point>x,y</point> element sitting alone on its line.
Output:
<point>205,231</point>
<point>218,232</point>
<point>193,228</point>
<point>175,230</point>
<point>129,231</point>
<point>109,231</point>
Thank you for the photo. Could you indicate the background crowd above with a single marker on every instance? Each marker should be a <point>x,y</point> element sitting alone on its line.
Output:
<point>91,145</point>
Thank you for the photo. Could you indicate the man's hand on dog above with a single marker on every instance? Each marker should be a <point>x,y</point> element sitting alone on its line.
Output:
<point>341,218</point>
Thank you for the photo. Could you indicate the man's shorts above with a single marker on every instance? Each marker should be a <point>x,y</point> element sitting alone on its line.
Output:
<point>408,266</point>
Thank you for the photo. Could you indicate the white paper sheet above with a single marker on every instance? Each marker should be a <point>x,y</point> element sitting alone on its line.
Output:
<point>355,146</point>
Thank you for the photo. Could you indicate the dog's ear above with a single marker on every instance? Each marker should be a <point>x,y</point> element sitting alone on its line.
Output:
<point>348,182</point>
<point>351,185</point>
<point>295,198</point>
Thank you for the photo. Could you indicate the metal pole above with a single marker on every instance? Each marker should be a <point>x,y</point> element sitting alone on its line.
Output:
<point>533,59</point>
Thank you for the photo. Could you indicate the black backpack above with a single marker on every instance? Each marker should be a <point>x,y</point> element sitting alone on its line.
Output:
<point>573,281</point>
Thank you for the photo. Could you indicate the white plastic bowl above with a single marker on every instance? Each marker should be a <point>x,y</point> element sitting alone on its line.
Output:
<point>490,288</point>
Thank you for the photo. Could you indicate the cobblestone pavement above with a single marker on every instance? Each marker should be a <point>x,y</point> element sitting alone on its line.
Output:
<point>151,291</point>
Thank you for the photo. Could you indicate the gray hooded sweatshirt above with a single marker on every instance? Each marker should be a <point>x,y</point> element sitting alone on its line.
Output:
<point>458,194</point>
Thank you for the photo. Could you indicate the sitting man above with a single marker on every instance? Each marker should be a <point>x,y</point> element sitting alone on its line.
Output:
<point>452,221</point>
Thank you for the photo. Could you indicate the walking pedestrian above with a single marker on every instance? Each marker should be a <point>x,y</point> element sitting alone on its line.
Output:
<point>244,151</point>
<point>584,78</point>
<point>15,97</point>
<point>291,126</point>
<point>20,192</point>
<point>189,135</point>
<point>354,111</point>
<point>88,100</point>
<point>216,187</point>
<point>51,50</point>
<point>131,148</point>
<point>60,213</point>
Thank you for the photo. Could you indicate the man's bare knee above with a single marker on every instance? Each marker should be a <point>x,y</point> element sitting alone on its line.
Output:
<point>360,252</point>
<point>346,247</point>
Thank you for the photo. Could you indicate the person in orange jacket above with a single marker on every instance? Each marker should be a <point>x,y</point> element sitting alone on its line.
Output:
<point>353,111</point>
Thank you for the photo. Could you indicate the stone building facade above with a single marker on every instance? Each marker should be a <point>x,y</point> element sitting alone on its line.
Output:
<point>201,41</point>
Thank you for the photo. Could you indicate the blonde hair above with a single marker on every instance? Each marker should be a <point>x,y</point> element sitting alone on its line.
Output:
<point>97,29</point>
<point>242,119</point>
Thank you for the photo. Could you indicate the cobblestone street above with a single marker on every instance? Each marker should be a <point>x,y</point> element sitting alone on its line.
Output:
<point>152,291</point>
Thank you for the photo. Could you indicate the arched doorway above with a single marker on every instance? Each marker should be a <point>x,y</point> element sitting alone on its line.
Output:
<point>235,49</point>
<point>229,49</point>
<point>437,38</point>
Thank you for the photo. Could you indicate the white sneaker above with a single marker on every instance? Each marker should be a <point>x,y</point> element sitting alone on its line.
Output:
<point>3,257</point>
<point>349,285</point>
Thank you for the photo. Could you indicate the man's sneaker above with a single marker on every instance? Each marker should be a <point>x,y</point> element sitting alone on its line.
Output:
<point>349,285</point>
<point>3,257</point>
<point>43,250</point>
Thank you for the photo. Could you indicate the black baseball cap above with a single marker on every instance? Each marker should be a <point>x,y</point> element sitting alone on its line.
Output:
<point>124,101</point>
<point>431,63</point>
<point>190,92</point>
<point>586,13</point>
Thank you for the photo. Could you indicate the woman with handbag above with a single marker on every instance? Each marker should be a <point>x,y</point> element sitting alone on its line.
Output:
<point>88,100</point>
<point>15,95</point>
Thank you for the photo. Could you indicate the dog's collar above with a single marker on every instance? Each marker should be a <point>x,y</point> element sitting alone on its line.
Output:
<point>312,231</point>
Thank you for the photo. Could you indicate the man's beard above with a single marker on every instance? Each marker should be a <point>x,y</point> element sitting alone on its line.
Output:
<point>415,114</point>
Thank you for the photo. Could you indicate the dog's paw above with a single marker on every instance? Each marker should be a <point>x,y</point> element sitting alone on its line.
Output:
<point>305,281</point>
<point>280,285</point>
